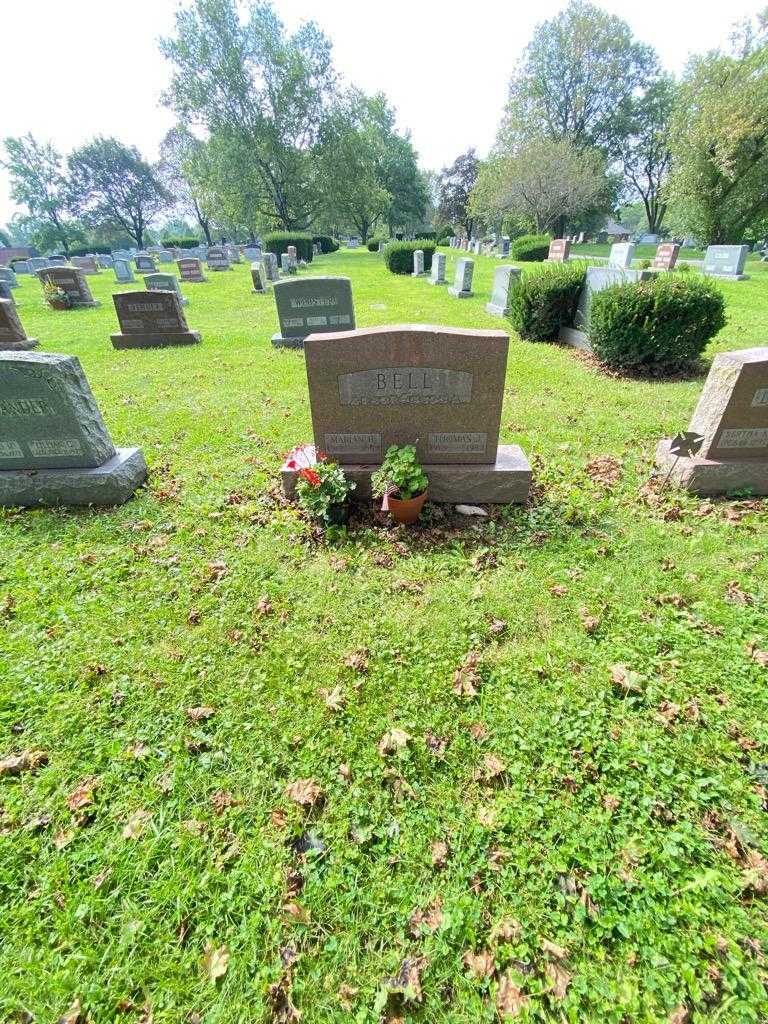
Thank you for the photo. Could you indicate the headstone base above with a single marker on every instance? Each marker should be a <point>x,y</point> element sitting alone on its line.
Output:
<point>259,291</point>
<point>495,310</point>
<point>575,338</point>
<point>422,274</point>
<point>86,305</point>
<point>19,346</point>
<point>154,340</point>
<point>457,293</point>
<point>506,481</point>
<point>110,484</point>
<point>437,282</point>
<point>713,476</point>
<point>280,342</point>
<point>727,277</point>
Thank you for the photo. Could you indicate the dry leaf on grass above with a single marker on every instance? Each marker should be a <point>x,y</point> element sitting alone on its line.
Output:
<point>558,952</point>
<point>392,741</point>
<point>136,824</point>
<point>604,470</point>
<point>333,699</point>
<point>510,1000</point>
<point>493,767</point>
<point>305,792</point>
<point>680,1015</point>
<point>346,996</point>
<point>26,761</point>
<point>216,570</point>
<point>625,680</point>
<point>358,660</point>
<point>428,919</point>
<point>734,592</point>
<point>558,590</point>
<point>590,622</point>
<point>559,977</point>
<point>761,657</point>
<point>200,714</point>
<point>73,1014</point>
<point>439,852</point>
<point>215,960</point>
<point>466,678</point>
<point>82,795</point>
<point>507,930</point>
<point>480,965</point>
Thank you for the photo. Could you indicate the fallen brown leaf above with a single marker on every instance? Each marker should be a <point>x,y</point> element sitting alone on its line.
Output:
<point>428,919</point>
<point>333,699</point>
<point>136,824</point>
<point>439,852</point>
<point>26,761</point>
<point>305,792</point>
<point>625,680</point>
<point>510,1000</point>
<point>82,795</point>
<point>734,592</point>
<point>590,622</point>
<point>358,660</point>
<point>73,1015</point>
<point>480,965</point>
<point>392,741</point>
<point>200,714</point>
<point>604,470</point>
<point>215,960</point>
<point>466,678</point>
<point>559,977</point>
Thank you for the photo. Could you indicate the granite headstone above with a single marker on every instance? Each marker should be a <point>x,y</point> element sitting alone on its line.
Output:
<point>504,279</point>
<point>71,281</point>
<point>151,320</point>
<point>312,305</point>
<point>13,337</point>
<point>462,282</point>
<point>164,283</point>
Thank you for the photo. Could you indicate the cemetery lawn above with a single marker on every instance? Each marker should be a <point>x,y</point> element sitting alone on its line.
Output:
<point>599,830</point>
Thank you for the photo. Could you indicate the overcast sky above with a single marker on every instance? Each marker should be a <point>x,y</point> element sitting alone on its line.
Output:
<point>72,69</point>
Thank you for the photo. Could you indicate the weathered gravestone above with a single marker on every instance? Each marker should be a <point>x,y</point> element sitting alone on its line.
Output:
<point>71,281</point>
<point>504,248</point>
<point>57,260</point>
<point>54,446</point>
<point>123,272</point>
<point>86,264</point>
<point>726,261</point>
<point>13,337</point>
<point>6,292</point>
<point>217,258</point>
<point>437,275</point>
<point>145,264</point>
<point>104,261</point>
<point>666,256</point>
<point>732,419</point>
<point>620,255</point>
<point>37,263</point>
<point>418,263</point>
<point>164,283</point>
<point>559,250</point>
<point>22,267</point>
<point>438,388</point>
<point>151,320</point>
<point>7,275</point>
<point>190,269</point>
<point>597,279</point>
<point>291,250</point>
<point>312,305</point>
<point>504,278</point>
<point>259,278</point>
<point>462,282</point>
<point>234,254</point>
<point>165,256</point>
<point>287,266</point>
<point>270,265</point>
<point>252,252</point>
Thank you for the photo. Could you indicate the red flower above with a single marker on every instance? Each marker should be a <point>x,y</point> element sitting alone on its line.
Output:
<point>311,476</point>
<point>290,464</point>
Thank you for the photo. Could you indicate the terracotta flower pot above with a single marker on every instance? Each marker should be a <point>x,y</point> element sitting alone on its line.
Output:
<point>58,303</point>
<point>407,511</point>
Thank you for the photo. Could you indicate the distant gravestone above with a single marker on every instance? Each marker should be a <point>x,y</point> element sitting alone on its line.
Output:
<point>438,388</point>
<point>123,272</point>
<point>37,263</point>
<point>145,264</point>
<point>7,275</point>
<point>104,261</point>
<point>252,252</point>
<point>726,261</point>
<point>620,255</point>
<point>504,250</point>
<point>287,266</point>
<point>71,281</point>
<point>191,269</point>
<point>437,275</point>
<point>462,282</point>
<point>291,250</point>
<point>13,337</point>
<point>54,446</point>
<point>731,418</point>
<point>57,260</point>
<point>217,258</point>
<point>666,256</point>
<point>165,256</point>
<point>504,279</point>
<point>418,263</point>
<point>151,320</point>
<point>559,250</point>
<point>22,267</point>
<point>259,278</point>
<point>597,279</point>
<point>86,264</point>
<point>164,283</point>
<point>312,305</point>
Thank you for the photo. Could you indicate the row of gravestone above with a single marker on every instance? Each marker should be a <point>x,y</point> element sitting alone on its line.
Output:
<point>719,260</point>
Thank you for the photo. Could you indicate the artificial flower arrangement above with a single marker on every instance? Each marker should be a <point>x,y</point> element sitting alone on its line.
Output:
<point>322,489</point>
<point>56,297</point>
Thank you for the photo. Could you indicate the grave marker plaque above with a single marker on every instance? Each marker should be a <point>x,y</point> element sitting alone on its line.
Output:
<point>145,264</point>
<point>559,250</point>
<point>312,305</point>
<point>666,256</point>
<point>190,269</point>
<point>164,283</point>
<point>726,261</point>
<point>86,264</point>
<point>151,320</point>
<point>71,281</point>
<point>462,282</point>
<point>620,255</point>
<point>217,258</point>
<point>504,279</point>
<point>123,272</point>
<point>437,275</point>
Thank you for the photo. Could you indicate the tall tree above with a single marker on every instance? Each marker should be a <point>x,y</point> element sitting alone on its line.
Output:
<point>38,182</point>
<point>719,142</point>
<point>186,170</point>
<point>577,80</point>
<point>406,184</point>
<point>646,156</point>
<point>111,184</point>
<point>455,189</point>
<point>260,90</point>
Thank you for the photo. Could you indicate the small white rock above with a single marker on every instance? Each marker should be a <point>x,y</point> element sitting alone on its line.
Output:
<point>470,510</point>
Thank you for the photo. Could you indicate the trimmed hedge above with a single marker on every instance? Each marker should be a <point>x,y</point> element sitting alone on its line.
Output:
<point>326,243</point>
<point>545,300</point>
<point>278,242</point>
<point>664,323</point>
<point>373,243</point>
<point>530,248</point>
<point>180,243</point>
<point>88,250</point>
<point>398,256</point>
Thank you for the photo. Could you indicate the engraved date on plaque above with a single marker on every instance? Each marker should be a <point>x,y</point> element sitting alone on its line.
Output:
<point>458,443</point>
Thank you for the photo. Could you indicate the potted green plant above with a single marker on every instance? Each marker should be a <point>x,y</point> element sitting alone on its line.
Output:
<point>322,490</point>
<point>401,483</point>
<point>56,297</point>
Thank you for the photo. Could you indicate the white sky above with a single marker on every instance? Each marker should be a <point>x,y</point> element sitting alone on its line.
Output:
<point>71,70</point>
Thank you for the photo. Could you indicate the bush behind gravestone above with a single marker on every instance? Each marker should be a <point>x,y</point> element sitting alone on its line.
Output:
<point>88,250</point>
<point>186,242</point>
<point>545,300</point>
<point>664,323</point>
<point>278,242</point>
<point>530,248</point>
<point>326,243</point>
<point>398,256</point>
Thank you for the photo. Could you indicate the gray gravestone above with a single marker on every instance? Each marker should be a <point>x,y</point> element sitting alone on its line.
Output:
<point>6,292</point>
<point>418,263</point>
<point>165,256</point>
<point>7,275</point>
<point>312,305</point>
<point>71,281</point>
<point>86,264</point>
<point>164,283</point>
<point>440,389</point>
<point>504,246</point>
<point>151,320</point>
<point>13,337</point>
<point>462,282</point>
<point>37,263</point>
<point>504,279</point>
<point>57,260</point>
<point>726,261</point>
<point>217,258</point>
<point>145,264</point>
<point>621,255</point>
<point>270,264</point>
<point>123,272</point>
<point>54,446</point>
<point>104,261</point>
<point>287,265</point>
<point>437,275</point>
<point>191,269</point>
<point>252,252</point>
<point>259,278</point>
<point>22,267</point>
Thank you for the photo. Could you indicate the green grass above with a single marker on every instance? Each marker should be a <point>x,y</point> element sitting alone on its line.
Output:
<point>605,832</point>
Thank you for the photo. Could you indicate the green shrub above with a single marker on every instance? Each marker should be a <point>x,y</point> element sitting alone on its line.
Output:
<point>180,243</point>
<point>398,256</point>
<point>373,244</point>
<point>88,250</point>
<point>545,300</point>
<point>326,243</point>
<point>278,242</point>
<point>664,323</point>
<point>530,248</point>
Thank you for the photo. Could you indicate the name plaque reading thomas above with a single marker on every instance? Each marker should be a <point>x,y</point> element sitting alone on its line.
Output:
<point>404,385</point>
